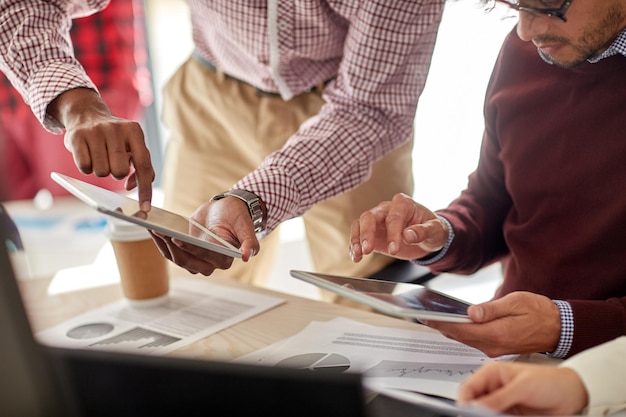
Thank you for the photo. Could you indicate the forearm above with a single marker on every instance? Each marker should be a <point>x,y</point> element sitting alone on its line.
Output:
<point>369,111</point>
<point>75,106</point>
<point>318,163</point>
<point>35,53</point>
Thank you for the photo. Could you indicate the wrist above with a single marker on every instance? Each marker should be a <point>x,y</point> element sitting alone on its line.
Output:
<point>577,392</point>
<point>72,106</point>
<point>438,255</point>
<point>256,206</point>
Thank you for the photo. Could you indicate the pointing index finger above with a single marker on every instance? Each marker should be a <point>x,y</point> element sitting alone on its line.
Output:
<point>143,176</point>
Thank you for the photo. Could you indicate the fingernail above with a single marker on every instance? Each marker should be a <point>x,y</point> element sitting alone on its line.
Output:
<point>145,206</point>
<point>478,312</point>
<point>392,247</point>
<point>410,235</point>
<point>365,245</point>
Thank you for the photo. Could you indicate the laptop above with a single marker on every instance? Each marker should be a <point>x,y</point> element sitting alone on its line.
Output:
<point>38,380</point>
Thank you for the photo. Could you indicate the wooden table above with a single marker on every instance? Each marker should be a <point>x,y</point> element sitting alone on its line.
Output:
<point>248,336</point>
<point>285,320</point>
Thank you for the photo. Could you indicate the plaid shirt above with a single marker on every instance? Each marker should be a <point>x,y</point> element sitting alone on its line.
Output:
<point>110,46</point>
<point>377,52</point>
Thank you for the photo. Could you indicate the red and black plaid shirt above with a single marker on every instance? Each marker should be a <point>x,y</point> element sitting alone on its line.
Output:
<point>111,47</point>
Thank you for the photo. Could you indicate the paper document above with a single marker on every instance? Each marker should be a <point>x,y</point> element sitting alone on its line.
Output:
<point>194,310</point>
<point>414,360</point>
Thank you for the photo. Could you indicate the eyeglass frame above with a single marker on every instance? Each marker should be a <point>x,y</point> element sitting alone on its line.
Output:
<point>558,13</point>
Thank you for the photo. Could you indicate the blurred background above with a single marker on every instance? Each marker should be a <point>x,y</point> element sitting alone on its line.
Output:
<point>448,133</point>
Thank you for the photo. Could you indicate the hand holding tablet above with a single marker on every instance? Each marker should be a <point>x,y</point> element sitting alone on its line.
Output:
<point>157,219</point>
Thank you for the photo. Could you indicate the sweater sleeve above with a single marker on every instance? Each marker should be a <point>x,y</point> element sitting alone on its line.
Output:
<point>477,217</point>
<point>602,371</point>
<point>478,214</point>
<point>597,321</point>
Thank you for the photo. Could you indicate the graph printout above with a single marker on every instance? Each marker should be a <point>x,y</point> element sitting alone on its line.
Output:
<point>193,310</point>
<point>416,360</point>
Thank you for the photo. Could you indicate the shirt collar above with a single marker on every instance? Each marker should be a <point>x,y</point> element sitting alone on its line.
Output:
<point>617,47</point>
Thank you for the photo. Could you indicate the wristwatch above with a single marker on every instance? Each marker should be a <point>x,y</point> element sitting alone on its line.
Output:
<point>255,207</point>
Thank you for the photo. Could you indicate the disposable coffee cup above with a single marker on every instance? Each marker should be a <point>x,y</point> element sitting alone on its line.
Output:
<point>143,269</point>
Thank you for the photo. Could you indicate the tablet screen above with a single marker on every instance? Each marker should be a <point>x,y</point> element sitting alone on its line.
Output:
<point>420,299</point>
<point>157,219</point>
<point>404,299</point>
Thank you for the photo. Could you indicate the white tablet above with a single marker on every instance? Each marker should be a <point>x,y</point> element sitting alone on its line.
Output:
<point>157,219</point>
<point>394,298</point>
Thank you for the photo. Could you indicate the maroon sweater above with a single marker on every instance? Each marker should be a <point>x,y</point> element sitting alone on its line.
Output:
<point>548,198</point>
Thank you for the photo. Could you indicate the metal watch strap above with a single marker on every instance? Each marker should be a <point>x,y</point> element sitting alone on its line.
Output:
<point>252,201</point>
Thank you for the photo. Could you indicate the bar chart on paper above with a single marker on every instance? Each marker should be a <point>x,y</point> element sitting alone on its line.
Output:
<point>137,338</point>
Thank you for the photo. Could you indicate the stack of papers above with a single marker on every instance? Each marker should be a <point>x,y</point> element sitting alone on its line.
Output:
<point>194,310</point>
<point>411,360</point>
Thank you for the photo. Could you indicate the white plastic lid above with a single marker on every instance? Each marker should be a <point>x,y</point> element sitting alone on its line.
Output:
<point>123,231</point>
<point>148,303</point>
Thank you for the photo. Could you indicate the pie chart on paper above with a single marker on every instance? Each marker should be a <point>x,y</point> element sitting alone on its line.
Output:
<point>318,362</point>
<point>89,331</point>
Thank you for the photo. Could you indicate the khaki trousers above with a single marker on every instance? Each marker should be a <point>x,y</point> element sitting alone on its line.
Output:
<point>220,129</point>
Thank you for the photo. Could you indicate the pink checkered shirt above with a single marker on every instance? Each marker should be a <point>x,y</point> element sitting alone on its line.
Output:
<point>377,53</point>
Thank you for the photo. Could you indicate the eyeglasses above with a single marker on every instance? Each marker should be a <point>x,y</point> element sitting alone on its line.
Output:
<point>539,7</point>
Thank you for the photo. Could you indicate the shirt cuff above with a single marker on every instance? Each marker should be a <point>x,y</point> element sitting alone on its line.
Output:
<point>436,256</point>
<point>567,330</point>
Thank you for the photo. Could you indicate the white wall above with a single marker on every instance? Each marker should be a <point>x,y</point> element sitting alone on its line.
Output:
<point>449,120</point>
